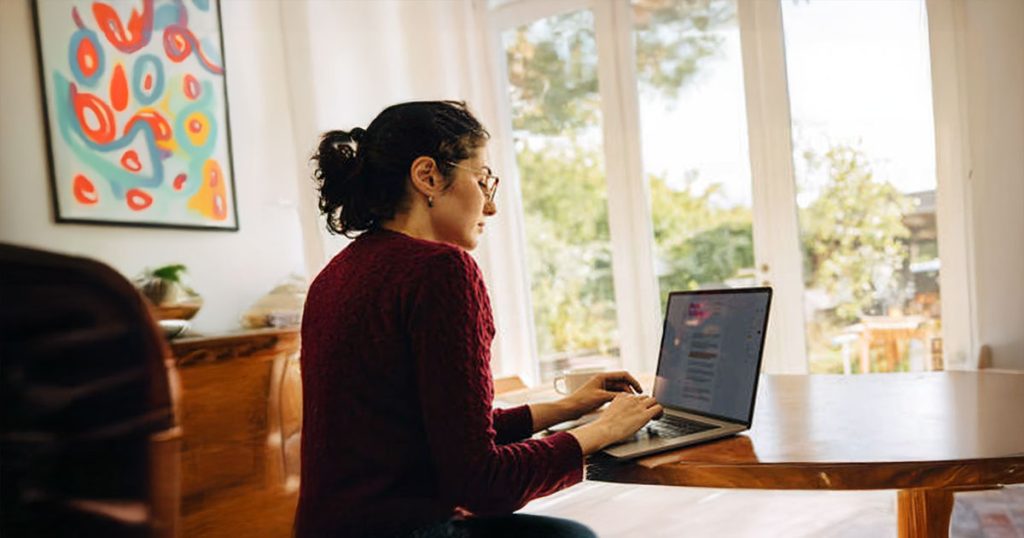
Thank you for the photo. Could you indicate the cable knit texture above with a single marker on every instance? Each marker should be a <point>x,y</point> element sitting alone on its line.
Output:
<point>398,430</point>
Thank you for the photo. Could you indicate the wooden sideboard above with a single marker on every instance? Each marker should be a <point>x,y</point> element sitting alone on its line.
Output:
<point>240,410</point>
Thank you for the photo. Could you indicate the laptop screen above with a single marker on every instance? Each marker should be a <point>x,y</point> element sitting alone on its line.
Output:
<point>711,351</point>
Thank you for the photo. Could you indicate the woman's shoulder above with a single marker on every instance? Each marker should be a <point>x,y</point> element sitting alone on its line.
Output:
<point>420,254</point>
<point>402,263</point>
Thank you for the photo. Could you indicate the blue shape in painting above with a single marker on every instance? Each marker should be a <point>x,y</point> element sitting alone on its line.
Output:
<point>166,15</point>
<point>148,64</point>
<point>77,38</point>
<point>211,49</point>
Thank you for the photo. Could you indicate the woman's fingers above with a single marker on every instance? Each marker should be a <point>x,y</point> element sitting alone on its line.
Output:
<point>655,411</point>
<point>640,402</point>
<point>647,406</point>
<point>629,412</point>
<point>621,381</point>
<point>633,382</point>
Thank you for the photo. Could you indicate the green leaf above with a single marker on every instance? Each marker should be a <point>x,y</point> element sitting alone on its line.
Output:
<point>171,273</point>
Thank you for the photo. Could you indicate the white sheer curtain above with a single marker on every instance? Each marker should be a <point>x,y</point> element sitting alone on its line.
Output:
<point>346,61</point>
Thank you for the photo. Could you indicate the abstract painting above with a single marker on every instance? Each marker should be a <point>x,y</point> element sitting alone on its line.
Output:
<point>137,115</point>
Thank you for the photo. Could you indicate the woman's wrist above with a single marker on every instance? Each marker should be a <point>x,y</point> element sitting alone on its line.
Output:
<point>591,437</point>
<point>569,408</point>
<point>548,414</point>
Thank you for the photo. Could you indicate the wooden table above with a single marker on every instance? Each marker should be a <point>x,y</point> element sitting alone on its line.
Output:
<point>924,434</point>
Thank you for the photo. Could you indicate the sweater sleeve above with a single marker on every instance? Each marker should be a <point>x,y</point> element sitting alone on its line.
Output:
<point>512,424</point>
<point>451,330</point>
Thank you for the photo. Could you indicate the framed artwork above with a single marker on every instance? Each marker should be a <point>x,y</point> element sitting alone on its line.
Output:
<point>136,112</point>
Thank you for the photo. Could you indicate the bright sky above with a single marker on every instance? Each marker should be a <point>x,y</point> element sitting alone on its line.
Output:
<point>858,73</point>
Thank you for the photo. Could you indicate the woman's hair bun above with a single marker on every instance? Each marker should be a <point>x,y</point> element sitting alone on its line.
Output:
<point>337,168</point>
<point>357,134</point>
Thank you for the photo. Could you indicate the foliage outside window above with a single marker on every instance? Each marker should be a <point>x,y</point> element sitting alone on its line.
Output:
<point>861,258</point>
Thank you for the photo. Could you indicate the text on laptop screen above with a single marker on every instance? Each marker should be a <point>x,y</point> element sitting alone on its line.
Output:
<point>710,352</point>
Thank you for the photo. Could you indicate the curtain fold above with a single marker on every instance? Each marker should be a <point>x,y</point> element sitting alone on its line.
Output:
<point>346,61</point>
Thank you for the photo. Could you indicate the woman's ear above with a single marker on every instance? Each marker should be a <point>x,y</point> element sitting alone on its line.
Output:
<point>423,173</point>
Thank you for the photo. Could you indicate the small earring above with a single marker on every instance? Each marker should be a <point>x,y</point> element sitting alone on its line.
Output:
<point>430,201</point>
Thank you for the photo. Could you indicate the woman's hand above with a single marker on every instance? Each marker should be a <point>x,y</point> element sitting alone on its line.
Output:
<point>627,414</point>
<point>598,391</point>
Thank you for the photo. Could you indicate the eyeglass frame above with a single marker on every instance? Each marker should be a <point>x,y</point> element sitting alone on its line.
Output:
<point>488,174</point>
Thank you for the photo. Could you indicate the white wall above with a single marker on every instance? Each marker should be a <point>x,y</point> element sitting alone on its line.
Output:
<point>994,59</point>
<point>230,269</point>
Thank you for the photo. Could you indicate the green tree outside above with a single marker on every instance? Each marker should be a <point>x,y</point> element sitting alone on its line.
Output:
<point>552,64</point>
<point>854,239</point>
<point>698,241</point>
<point>552,70</point>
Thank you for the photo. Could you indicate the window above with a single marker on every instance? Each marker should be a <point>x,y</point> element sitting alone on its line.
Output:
<point>681,144</point>
<point>556,119</point>
<point>693,130</point>
<point>864,158</point>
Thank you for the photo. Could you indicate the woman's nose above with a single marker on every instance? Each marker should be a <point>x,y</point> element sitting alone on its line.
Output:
<point>489,208</point>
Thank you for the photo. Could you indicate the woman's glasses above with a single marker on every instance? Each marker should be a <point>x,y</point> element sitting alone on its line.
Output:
<point>485,178</point>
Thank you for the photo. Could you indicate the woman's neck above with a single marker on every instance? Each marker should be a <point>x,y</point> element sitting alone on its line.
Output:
<point>411,224</point>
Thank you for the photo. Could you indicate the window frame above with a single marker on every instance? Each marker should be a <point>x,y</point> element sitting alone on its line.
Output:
<point>775,226</point>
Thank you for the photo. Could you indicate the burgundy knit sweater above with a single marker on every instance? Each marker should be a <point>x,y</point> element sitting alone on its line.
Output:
<point>398,429</point>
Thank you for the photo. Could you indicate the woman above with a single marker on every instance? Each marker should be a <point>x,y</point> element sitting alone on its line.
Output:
<point>399,437</point>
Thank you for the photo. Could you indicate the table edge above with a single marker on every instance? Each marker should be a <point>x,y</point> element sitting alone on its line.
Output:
<point>979,472</point>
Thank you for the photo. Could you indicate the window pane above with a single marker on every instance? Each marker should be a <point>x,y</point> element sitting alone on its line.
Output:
<point>863,143</point>
<point>552,71</point>
<point>694,140</point>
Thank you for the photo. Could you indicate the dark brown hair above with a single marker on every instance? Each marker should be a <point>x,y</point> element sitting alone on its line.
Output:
<point>361,174</point>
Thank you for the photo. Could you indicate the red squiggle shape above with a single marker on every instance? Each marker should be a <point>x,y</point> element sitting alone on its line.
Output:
<point>191,87</point>
<point>130,161</point>
<point>87,57</point>
<point>138,199</point>
<point>103,133</point>
<point>136,36</point>
<point>161,128</point>
<point>180,42</point>
<point>77,18</point>
<point>119,89</point>
<point>84,190</point>
<point>177,45</point>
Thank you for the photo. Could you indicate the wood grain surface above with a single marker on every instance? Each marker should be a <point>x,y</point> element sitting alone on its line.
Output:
<point>876,431</point>
<point>241,415</point>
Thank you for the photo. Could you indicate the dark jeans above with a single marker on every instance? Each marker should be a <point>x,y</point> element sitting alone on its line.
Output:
<point>510,526</point>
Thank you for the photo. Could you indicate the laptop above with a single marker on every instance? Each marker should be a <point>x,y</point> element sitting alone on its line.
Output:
<point>708,366</point>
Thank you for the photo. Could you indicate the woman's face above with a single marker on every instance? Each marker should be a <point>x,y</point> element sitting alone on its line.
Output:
<point>459,212</point>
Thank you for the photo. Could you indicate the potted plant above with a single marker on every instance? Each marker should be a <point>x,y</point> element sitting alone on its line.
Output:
<point>167,289</point>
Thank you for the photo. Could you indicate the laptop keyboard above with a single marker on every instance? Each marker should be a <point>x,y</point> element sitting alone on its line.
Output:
<point>673,426</point>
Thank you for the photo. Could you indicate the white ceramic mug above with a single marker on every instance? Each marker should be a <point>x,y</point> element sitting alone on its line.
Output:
<point>574,378</point>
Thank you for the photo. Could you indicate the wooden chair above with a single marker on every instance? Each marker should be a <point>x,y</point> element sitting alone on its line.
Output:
<point>90,440</point>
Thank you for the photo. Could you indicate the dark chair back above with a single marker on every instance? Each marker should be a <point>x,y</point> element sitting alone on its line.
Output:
<point>90,441</point>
